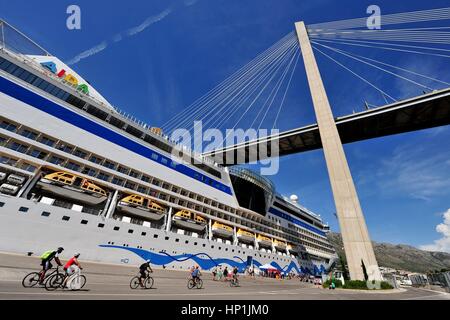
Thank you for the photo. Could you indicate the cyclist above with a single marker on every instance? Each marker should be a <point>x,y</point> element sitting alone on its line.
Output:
<point>235,274</point>
<point>143,269</point>
<point>195,274</point>
<point>46,260</point>
<point>71,267</point>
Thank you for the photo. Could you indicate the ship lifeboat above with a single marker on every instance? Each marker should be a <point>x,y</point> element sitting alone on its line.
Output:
<point>264,241</point>
<point>73,187</point>
<point>245,236</point>
<point>222,230</point>
<point>142,207</point>
<point>280,245</point>
<point>187,220</point>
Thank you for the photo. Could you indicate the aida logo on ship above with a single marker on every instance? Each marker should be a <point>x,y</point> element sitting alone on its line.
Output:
<point>67,77</point>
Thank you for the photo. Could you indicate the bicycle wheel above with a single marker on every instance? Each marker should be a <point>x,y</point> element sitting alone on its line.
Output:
<point>77,283</point>
<point>135,283</point>
<point>31,280</point>
<point>199,283</point>
<point>191,284</point>
<point>54,282</point>
<point>148,283</point>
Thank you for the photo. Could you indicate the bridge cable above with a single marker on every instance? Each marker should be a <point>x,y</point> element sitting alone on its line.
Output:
<point>354,73</point>
<point>375,66</point>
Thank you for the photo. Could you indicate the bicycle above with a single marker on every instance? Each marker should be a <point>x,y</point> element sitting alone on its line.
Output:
<point>195,283</point>
<point>136,283</point>
<point>33,278</point>
<point>234,282</point>
<point>74,282</point>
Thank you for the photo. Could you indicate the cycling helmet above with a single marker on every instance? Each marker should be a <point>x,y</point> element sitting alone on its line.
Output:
<point>76,255</point>
<point>148,261</point>
<point>60,249</point>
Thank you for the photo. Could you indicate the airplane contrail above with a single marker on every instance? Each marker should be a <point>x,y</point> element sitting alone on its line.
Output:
<point>128,33</point>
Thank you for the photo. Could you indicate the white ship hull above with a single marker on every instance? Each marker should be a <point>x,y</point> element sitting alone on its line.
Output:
<point>97,240</point>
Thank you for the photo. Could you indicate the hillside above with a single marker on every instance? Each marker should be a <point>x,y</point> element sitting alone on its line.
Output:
<point>402,256</point>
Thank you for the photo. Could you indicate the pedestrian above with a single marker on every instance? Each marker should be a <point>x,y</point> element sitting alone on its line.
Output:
<point>214,273</point>
<point>225,273</point>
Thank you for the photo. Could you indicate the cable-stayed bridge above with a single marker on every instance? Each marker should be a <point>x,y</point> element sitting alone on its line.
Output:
<point>268,77</point>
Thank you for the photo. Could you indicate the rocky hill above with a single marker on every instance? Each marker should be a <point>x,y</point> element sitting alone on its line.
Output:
<point>402,257</point>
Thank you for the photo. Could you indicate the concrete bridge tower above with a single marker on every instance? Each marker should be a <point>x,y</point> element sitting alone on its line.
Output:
<point>357,244</point>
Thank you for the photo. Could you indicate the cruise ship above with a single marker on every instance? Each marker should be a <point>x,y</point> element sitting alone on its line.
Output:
<point>79,173</point>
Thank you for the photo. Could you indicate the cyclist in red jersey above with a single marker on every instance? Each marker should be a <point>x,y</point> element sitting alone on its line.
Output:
<point>71,266</point>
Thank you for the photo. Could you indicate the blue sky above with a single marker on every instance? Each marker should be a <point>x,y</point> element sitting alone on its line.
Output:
<point>403,181</point>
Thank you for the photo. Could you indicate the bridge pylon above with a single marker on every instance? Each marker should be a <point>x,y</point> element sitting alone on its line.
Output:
<point>357,244</point>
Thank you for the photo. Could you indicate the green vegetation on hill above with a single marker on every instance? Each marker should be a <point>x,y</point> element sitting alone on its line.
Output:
<point>402,257</point>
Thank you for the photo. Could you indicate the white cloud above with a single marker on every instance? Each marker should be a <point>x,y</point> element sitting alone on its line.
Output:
<point>414,170</point>
<point>442,244</point>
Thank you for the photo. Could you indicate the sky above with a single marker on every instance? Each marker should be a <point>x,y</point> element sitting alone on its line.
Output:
<point>154,58</point>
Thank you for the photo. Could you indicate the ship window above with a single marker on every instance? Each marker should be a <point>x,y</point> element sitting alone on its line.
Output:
<point>47,141</point>
<point>28,167</point>
<point>130,231</point>
<point>155,236</point>
<point>109,164</point>
<point>45,214</point>
<point>65,218</point>
<point>186,242</point>
<point>56,160</point>
<point>29,134</point>
<point>73,166</point>
<point>89,171</point>
<point>38,154</point>
<point>8,126</point>
<point>123,170</point>
<point>143,234</point>
<point>167,238</point>
<point>116,228</point>
<point>142,189</point>
<point>80,154</point>
<point>134,174</point>
<point>130,185</point>
<point>95,159</point>
<point>18,72</point>
<point>84,222</point>
<point>4,64</point>
<point>11,68</point>
<point>2,204</point>
<point>101,225</point>
<point>117,181</point>
<point>103,176</point>
<point>145,179</point>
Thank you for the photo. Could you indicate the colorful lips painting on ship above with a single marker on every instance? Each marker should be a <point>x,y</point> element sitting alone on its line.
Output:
<point>206,262</point>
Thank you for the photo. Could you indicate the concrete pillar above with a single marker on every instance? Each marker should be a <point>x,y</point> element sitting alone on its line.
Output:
<point>112,204</point>
<point>357,244</point>
<point>169,219</point>
<point>23,193</point>
<point>210,230</point>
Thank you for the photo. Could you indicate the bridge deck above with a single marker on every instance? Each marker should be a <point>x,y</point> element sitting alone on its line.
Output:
<point>426,111</point>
